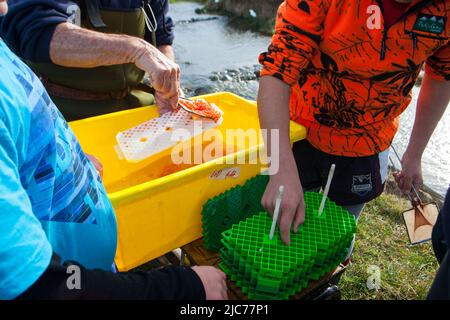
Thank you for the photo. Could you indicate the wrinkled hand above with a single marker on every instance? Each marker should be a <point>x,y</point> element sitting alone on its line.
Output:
<point>213,281</point>
<point>292,209</point>
<point>164,76</point>
<point>97,164</point>
<point>411,173</point>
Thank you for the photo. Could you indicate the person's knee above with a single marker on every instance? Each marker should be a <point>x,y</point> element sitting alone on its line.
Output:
<point>355,210</point>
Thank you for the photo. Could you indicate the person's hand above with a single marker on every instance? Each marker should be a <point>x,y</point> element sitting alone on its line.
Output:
<point>213,281</point>
<point>97,164</point>
<point>164,76</point>
<point>411,173</point>
<point>292,209</point>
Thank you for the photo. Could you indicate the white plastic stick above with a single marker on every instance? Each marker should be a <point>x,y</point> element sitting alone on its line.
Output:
<point>277,211</point>
<point>327,188</point>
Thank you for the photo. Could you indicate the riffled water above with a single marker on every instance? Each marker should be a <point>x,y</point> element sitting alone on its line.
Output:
<point>436,159</point>
<point>215,57</point>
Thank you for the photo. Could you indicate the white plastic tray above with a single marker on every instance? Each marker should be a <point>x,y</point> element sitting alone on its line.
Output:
<point>157,134</point>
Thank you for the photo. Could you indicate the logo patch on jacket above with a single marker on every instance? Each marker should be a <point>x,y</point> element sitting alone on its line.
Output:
<point>362,184</point>
<point>430,23</point>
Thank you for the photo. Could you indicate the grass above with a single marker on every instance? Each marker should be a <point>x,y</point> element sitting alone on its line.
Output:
<point>406,272</point>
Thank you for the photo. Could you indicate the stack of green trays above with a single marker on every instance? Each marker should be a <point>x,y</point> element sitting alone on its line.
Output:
<point>231,207</point>
<point>268,269</point>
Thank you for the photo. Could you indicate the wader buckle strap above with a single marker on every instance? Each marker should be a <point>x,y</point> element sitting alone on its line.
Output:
<point>150,21</point>
<point>93,11</point>
<point>64,92</point>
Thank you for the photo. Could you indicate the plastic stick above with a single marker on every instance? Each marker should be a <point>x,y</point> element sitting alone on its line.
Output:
<point>277,211</point>
<point>327,188</point>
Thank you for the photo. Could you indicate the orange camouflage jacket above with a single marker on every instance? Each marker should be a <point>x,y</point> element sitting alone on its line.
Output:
<point>350,81</point>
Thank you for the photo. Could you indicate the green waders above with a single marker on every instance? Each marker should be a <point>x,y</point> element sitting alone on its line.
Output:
<point>80,109</point>
<point>85,92</point>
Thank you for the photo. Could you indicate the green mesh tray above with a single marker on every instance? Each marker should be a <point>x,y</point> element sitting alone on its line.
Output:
<point>231,207</point>
<point>267,269</point>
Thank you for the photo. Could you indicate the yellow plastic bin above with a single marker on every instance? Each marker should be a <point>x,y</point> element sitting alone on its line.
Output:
<point>158,204</point>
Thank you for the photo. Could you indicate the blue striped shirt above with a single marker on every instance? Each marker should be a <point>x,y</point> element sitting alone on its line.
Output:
<point>51,196</point>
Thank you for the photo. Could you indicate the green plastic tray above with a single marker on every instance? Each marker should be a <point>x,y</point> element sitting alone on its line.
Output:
<point>231,207</point>
<point>268,269</point>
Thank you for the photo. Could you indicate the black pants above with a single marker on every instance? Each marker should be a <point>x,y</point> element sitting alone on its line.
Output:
<point>440,289</point>
<point>357,180</point>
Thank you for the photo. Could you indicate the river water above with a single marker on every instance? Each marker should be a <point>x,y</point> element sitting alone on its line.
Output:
<point>216,57</point>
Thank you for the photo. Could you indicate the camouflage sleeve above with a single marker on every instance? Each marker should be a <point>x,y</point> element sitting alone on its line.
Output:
<point>438,65</point>
<point>298,29</point>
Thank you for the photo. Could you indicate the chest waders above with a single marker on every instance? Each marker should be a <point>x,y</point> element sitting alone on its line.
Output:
<point>86,92</point>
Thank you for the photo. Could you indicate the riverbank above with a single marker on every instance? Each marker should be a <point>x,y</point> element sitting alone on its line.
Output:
<point>406,272</point>
<point>253,15</point>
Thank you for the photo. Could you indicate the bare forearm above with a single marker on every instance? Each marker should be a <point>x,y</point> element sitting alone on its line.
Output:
<point>433,99</point>
<point>72,46</point>
<point>273,107</point>
<point>167,51</point>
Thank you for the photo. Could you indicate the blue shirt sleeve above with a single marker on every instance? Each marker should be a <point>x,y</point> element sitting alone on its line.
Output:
<point>25,252</point>
<point>165,30</point>
<point>29,25</point>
